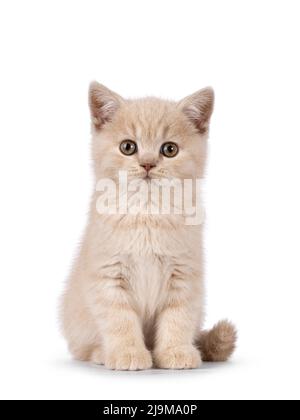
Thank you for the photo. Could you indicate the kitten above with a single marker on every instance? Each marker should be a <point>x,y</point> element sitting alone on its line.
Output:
<point>135,295</point>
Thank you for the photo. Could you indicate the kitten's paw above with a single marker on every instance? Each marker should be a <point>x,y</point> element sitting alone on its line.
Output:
<point>129,359</point>
<point>181,357</point>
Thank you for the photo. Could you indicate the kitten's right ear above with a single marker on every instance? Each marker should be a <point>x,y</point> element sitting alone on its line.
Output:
<point>198,108</point>
<point>103,104</point>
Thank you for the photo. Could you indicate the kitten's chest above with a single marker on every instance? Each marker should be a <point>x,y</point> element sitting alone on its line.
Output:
<point>147,265</point>
<point>148,278</point>
<point>145,256</point>
<point>150,239</point>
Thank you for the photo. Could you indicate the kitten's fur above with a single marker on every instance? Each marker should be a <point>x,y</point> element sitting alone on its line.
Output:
<point>135,295</point>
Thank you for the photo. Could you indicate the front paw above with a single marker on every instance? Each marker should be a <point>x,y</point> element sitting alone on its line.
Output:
<point>180,357</point>
<point>129,359</point>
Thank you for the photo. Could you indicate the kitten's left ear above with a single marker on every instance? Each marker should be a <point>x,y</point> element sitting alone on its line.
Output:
<point>199,108</point>
<point>103,104</point>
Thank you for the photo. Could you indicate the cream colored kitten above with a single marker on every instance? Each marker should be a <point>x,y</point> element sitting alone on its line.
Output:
<point>135,296</point>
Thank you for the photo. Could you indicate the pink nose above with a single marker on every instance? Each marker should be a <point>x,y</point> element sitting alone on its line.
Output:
<point>148,166</point>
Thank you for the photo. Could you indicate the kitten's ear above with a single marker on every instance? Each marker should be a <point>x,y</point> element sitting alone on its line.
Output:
<point>199,108</point>
<point>103,104</point>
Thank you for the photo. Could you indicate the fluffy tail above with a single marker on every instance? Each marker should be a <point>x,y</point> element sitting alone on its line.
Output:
<point>218,344</point>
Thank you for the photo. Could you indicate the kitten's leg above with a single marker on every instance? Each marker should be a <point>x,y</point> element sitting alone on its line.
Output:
<point>176,328</point>
<point>77,323</point>
<point>81,353</point>
<point>121,328</point>
<point>97,356</point>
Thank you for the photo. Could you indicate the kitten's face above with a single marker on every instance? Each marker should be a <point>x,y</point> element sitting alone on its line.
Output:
<point>149,138</point>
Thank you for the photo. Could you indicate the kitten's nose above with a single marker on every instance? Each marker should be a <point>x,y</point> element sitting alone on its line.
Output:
<point>148,166</point>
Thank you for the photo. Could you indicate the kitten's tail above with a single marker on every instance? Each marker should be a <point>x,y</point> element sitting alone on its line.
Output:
<point>218,344</point>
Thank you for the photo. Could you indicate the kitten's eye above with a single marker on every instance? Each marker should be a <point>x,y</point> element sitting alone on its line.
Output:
<point>128,147</point>
<point>169,150</point>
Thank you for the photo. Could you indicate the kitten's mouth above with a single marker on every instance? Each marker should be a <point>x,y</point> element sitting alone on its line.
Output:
<point>148,176</point>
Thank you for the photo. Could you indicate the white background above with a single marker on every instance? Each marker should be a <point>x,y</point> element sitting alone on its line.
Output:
<point>249,52</point>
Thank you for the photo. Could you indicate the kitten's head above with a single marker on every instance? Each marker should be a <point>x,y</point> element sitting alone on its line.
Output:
<point>149,138</point>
